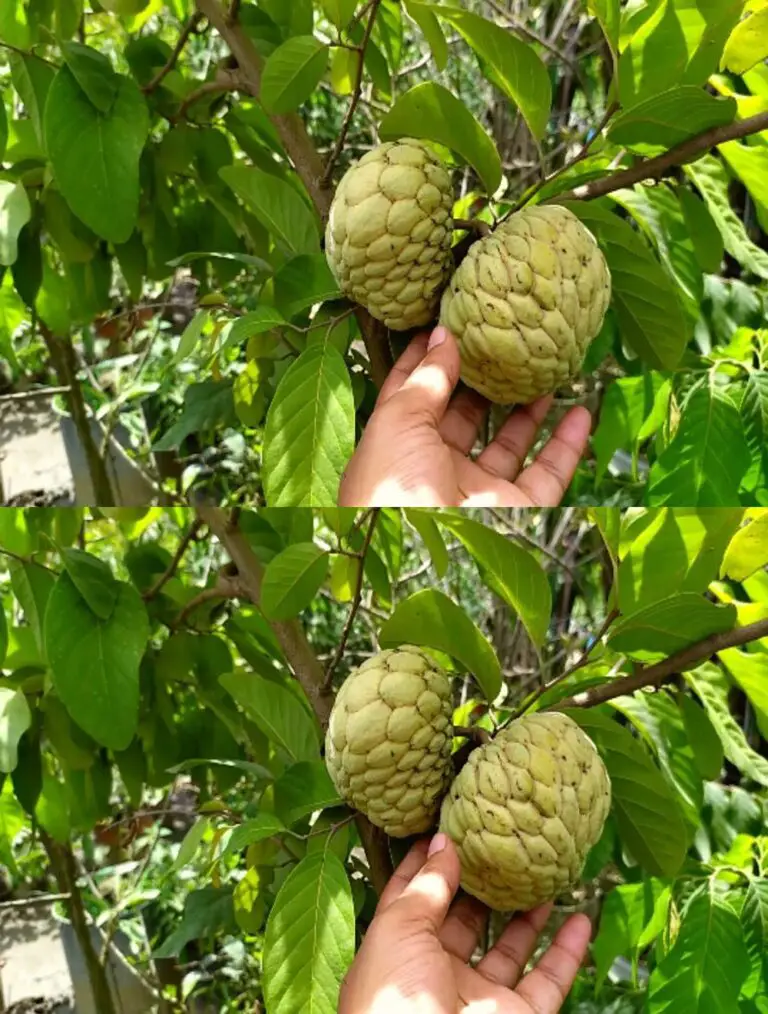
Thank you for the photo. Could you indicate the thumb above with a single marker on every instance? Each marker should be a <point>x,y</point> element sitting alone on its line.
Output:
<point>430,386</point>
<point>429,894</point>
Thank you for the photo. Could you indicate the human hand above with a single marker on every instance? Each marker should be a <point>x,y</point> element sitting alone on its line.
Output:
<point>414,959</point>
<point>415,449</point>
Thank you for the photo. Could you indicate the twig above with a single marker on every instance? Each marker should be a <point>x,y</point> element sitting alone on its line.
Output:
<point>660,672</point>
<point>361,13</point>
<point>473,733</point>
<point>36,899</point>
<point>181,42</point>
<point>340,140</point>
<point>472,225</point>
<point>181,549</point>
<point>225,588</point>
<point>25,559</point>
<point>224,82</point>
<point>653,168</point>
<point>38,392</point>
<point>355,601</point>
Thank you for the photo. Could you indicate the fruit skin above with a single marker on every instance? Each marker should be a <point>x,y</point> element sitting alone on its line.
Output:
<point>525,303</point>
<point>388,745</point>
<point>388,239</point>
<point>524,811</point>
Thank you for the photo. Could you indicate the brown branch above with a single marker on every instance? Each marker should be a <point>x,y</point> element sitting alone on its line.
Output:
<point>355,601</point>
<point>35,899</point>
<point>305,158</point>
<point>181,42</point>
<point>473,225</point>
<point>37,392</point>
<point>653,168</point>
<point>226,587</point>
<point>661,672</point>
<point>224,82</point>
<point>181,549</point>
<point>474,733</point>
<point>356,92</point>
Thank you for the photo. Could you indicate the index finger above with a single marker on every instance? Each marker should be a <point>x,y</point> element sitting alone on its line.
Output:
<point>403,368</point>
<point>403,875</point>
<point>547,986</point>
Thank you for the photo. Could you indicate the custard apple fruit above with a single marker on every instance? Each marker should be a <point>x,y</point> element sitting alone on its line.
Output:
<point>388,745</point>
<point>524,811</point>
<point>525,303</point>
<point>388,240</point>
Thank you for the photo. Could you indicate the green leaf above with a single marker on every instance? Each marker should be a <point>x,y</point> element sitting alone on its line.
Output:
<point>648,814</point>
<point>670,624</point>
<point>15,212</point>
<point>625,912</point>
<point>292,73</point>
<point>430,618</point>
<point>754,920</point>
<point>259,321</point>
<point>12,821</point>
<point>278,713</point>
<point>648,309</point>
<point>704,233</point>
<point>608,13</point>
<point>277,205</point>
<point>339,11</point>
<point>310,431</point>
<point>705,743</point>
<point>754,412</point>
<point>664,120</point>
<point>95,157</point>
<point>95,663</point>
<point>190,336</point>
<point>250,907</point>
<point>431,537</point>
<point>711,179</point>
<point>94,73</point>
<point>15,719</point>
<point>206,405</point>
<point>52,809</point>
<point>94,580</point>
<point>303,281</point>
<point>512,65</point>
<point>628,402</point>
<point>748,550</point>
<point>206,911</point>
<point>750,163</point>
<point>711,687</point>
<point>302,789</point>
<point>259,828</point>
<point>190,844</point>
<point>3,634</point>
<point>292,579</point>
<point>3,129</point>
<point>32,77</point>
<point>706,459</point>
<point>750,671</point>
<point>430,111</point>
<point>707,964</point>
<point>509,570</point>
<point>310,938</point>
<point>431,30</point>
<point>679,551</point>
<point>747,44</point>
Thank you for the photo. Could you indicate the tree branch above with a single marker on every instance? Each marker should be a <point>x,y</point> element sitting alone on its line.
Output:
<point>653,168</point>
<point>356,92</point>
<point>181,42</point>
<point>181,549</point>
<point>223,82</point>
<point>661,672</point>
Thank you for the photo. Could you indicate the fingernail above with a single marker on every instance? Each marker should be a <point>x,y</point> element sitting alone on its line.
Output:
<point>437,338</point>
<point>437,844</point>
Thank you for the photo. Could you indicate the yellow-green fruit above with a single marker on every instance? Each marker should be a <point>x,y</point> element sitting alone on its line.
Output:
<point>524,811</point>
<point>525,303</point>
<point>388,746</point>
<point>388,240</point>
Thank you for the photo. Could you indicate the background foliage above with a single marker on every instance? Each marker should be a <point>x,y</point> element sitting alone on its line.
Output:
<point>166,677</point>
<point>166,170</point>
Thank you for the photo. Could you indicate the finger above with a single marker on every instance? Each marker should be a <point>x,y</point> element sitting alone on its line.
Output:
<point>428,896</point>
<point>463,420</point>
<point>546,987</point>
<point>546,480</point>
<point>505,962</point>
<point>462,929</point>
<point>403,875</point>
<point>403,368</point>
<point>427,391</point>
<point>505,455</point>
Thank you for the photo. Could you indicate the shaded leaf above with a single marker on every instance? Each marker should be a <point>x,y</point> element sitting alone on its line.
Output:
<point>292,579</point>
<point>277,712</point>
<point>292,72</point>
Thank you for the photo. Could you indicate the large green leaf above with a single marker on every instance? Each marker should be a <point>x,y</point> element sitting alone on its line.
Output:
<point>430,111</point>
<point>277,205</point>
<point>711,687</point>
<point>292,579</point>
<point>207,911</point>
<point>302,789</point>
<point>711,178</point>
<point>750,671</point>
<point>628,410</point>
<point>664,120</point>
<point>310,431</point>
<point>670,624</point>
<point>754,411</point>
<point>608,13</point>
<point>32,77</point>
<point>278,713</point>
<point>702,735</point>
<point>95,662</point>
<point>649,817</point>
<point>750,163</point>
<point>708,456</point>
<point>339,11</point>
<point>508,569</point>
<point>705,235</point>
<point>747,44</point>
<point>748,549</point>
<point>512,65</point>
<point>3,634</point>
<point>258,828</point>
<point>754,919</point>
<point>430,618</point>
<point>648,309</point>
<point>94,580</point>
<point>292,73</point>
<point>679,551</point>
<point>95,156</point>
<point>15,719</point>
<point>705,968</point>
<point>15,212</point>
<point>310,938</point>
<point>94,73</point>
<point>431,30</point>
